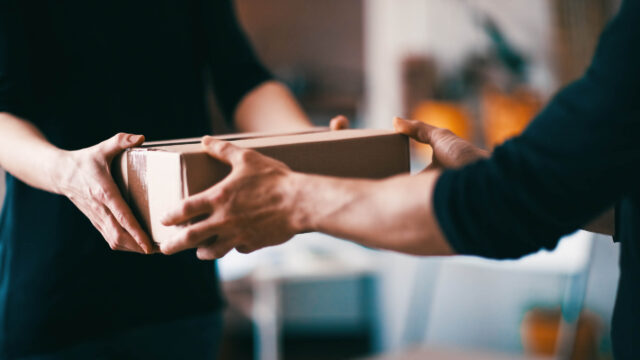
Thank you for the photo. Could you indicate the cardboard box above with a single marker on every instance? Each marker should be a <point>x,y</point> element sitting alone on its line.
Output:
<point>155,177</point>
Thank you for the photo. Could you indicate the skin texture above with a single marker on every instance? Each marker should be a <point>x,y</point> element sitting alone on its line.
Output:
<point>451,151</point>
<point>263,203</point>
<point>84,175</point>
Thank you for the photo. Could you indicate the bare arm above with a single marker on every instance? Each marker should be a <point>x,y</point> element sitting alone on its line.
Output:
<point>26,154</point>
<point>82,175</point>
<point>393,214</point>
<point>270,107</point>
<point>263,203</point>
<point>451,151</point>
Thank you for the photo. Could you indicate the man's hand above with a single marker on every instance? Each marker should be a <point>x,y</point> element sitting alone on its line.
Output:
<point>449,151</point>
<point>84,176</point>
<point>251,208</point>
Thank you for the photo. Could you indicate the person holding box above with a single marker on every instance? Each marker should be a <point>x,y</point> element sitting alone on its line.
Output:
<point>73,74</point>
<point>578,158</point>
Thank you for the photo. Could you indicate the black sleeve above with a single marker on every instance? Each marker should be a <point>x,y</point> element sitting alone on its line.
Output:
<point>4,75</point>
<point>235,68</point>
<point>578,157</point>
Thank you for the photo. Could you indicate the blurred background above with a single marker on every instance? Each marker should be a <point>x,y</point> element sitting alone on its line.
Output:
<point>482,68</point>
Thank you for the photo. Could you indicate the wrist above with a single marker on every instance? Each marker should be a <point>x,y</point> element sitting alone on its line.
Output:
<point>298,192</point>
<point>59,169</point>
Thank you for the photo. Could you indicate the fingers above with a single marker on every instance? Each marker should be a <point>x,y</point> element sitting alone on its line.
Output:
<point>216,249</point>
<point>194,206</point>
<point>118,143</point>
<point>339,122</point>
<point>123,215</point>
<point>112,232</point>
<point>417,130</point>
<point>224,151</point>
<point>117,237</point>
<point>190,237</point>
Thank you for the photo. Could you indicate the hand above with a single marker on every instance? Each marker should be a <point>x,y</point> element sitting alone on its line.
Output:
<point>449,151</point>
<point>339,122</point>
<point>84,177</point>
<point>251,208</point>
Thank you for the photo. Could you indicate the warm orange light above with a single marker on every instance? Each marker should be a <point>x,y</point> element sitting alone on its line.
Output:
<point>507,115</point>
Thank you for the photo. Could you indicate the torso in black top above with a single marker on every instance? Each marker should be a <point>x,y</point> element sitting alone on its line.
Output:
<point>625,330</point>
<point>578,158</point>
<point>82,71</point>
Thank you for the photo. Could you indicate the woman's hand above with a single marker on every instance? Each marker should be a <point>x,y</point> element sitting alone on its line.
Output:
<point>251,208</point>
<point>84,176</point>
<point>339,122</point>
<point>449,151</point>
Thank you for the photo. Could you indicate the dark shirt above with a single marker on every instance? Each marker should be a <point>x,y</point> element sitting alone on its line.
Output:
<point>579,156</point>
<point>81,71</point>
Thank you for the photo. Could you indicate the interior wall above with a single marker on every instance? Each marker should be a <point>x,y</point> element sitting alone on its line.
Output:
<point>316,47</point>
<point>447,31</point>
<point>307,35</point>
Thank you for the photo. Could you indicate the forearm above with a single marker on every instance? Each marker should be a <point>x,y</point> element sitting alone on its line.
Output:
<point>26,154</point>
<point>393,214</point>
<point>270,107</point>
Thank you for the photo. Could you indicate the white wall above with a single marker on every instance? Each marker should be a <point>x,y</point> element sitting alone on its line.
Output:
<point>603,279</point>
<point>478,304</point>
<point>445,30</point>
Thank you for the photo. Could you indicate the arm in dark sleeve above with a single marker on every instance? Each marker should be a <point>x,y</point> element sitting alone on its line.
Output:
<point>577,158</point>
<point>235,67</point>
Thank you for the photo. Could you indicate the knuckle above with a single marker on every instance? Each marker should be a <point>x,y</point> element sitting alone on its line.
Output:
<point>120,239</point>
<point>114,241</point>
<point>246,155</point>
<point>205,254</point>
<point>222,195</point>
<point>166,249</point>
<point>444,132</point>
<point>186,207</point>
<point>121,136</point>
<point>190,236</point>
<point>221,146</point>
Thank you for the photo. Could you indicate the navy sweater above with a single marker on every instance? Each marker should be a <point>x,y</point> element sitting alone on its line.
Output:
<point>579,157</point>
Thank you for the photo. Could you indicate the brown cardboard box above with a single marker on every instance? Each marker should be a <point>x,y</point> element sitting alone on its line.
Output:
<point>155,177</point>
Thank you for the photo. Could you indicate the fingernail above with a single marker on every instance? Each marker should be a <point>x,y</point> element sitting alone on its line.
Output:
<point>206,140</point>
<point>134,138</point>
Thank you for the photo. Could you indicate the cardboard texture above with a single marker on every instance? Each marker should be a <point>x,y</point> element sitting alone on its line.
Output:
<point>155,177</point>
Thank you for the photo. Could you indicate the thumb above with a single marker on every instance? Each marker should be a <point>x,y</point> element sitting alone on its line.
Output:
<point>223,150</point>
<point>118,143</point>
<point>415,129</point>
<point>339,122</point>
